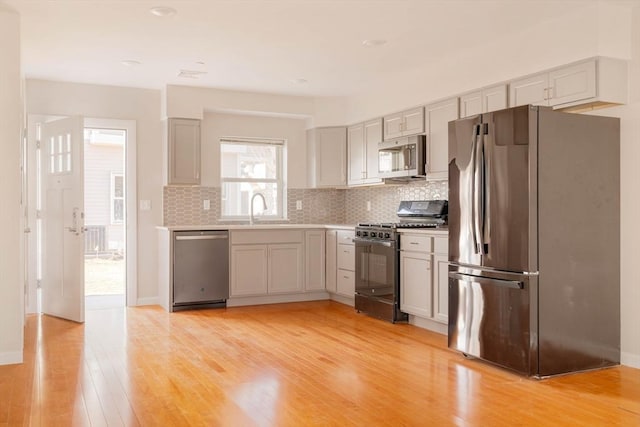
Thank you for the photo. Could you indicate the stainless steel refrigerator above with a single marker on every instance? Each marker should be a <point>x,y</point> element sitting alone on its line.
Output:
<point>534,240</point>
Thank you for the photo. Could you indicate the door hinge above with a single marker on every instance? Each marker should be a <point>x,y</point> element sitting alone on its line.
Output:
<point>38,284</point>
<point>38,144</point>
<point>38,214</point>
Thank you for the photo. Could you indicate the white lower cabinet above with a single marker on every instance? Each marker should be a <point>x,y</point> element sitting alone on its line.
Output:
<point>415,283</point>
<point>249,270</point>
<point>285,268</point>
<point>340,263</point>
<point>267,262</point>
<point>424,283</point>
<point>331,264</point>
<point>314,255</point>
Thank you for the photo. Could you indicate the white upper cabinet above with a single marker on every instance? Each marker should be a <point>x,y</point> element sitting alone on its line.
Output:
<point>404,123</point>
<point>327,157</point>
<point>484,101</point>
<point>362,146</point>
<point>437,118</point>
<point>588,83</point>
<point>183,152</point>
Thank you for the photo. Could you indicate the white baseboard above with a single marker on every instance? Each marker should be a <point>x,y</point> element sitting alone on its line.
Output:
<point>277,299</point>
<point>428,324</point>
<point>148,301</point>
<point>11,358</point>
<point>343,299</point>
<point>630,359</point>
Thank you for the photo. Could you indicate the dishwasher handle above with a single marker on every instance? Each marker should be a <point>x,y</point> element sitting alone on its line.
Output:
<point>204,237</point>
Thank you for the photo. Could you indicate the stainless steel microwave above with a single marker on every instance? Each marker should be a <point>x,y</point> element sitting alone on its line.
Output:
<point>402,157</point>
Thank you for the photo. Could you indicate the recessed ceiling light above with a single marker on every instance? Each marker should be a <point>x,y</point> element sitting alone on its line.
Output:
<point>299,81</point>
<point>130,63</point>
<point>163,11</point>
<point>373,42</point>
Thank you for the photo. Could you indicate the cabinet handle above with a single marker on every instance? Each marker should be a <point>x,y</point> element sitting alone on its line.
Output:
<point>345,277</point>
<point>413,243</point>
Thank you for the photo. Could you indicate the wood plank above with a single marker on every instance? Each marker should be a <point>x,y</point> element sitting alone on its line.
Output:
<point>315,363</point>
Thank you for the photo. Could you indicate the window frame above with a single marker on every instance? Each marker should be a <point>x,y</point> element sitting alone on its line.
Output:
<point>113,198</point>
<point>279,180</point>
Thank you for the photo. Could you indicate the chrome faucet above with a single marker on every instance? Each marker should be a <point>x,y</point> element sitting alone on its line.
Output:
<point>264,206</point>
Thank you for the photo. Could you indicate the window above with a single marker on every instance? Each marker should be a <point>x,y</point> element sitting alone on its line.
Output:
<point>117,198</point>
<point>250,166</point>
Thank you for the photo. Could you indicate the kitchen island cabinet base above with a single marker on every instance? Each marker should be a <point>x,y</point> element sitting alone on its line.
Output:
<point>277,299</point>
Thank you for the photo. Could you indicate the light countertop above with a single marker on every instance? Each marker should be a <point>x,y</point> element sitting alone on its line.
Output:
<point>258,226</point>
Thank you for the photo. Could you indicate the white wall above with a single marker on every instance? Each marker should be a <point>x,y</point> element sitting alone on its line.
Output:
<point>217,125</point>
<point>141,105</point>
<point>11,277</point>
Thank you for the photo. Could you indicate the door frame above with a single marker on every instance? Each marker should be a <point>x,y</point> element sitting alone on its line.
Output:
<point>131,230</point>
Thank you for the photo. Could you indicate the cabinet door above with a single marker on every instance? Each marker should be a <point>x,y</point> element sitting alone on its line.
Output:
<point>494,98</point>
<point>248,270</point>
<point>441,288</point>
<point>184,151</point>
<point>285,268</point>
<point>530,90</point>
<point>331,157</point>
<point>331,269</point>
<point>357,160</point>
<point>573,83</point>
<point>314,254</point>
<point>415,283</point>
<point>372,137</point>
<point>393,126</point>
<point>346,257</point>
<point>438,117</point>
<point>346,283</point>
<point>413,121</point>
<point>471,104</point>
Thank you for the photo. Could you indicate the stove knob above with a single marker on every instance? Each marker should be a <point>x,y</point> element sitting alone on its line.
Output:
<point>387,235</point>
<point>373,234</point>
<point>358,233</point>
<point>365,234</point>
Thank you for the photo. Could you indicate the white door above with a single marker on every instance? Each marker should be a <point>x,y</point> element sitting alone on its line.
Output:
<point>63,219</point>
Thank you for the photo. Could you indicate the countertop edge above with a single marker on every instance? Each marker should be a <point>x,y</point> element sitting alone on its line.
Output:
<point>254,227</point>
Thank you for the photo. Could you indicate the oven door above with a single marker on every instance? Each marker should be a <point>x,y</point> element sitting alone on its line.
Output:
<point>377,280</point>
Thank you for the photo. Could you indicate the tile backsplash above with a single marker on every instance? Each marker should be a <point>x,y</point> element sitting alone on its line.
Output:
<point>184,205</point>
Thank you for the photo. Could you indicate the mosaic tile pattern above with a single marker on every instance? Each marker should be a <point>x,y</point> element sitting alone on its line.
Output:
<point>184,205</point>
<point>385,200</point>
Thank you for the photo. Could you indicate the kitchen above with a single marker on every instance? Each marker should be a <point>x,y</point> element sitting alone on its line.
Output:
<point>179,101</point>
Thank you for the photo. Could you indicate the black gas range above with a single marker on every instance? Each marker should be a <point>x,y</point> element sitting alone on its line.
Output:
<point>377,257</point>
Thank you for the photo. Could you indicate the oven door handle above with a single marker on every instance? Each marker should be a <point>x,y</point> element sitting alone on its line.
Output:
<point>374,242</point>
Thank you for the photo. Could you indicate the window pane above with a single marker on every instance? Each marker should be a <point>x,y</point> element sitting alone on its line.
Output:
<point>249,160</point>
<point>118,210</point>
<point>118,186</point>
<point>236,197</point>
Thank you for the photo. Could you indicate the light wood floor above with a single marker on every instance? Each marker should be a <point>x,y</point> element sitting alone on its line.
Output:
<point>297,364</point>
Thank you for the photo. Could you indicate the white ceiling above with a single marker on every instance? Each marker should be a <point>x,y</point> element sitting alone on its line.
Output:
<point>262,45</point>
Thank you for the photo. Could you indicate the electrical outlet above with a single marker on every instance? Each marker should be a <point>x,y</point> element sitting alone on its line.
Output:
<point>299,205</point>
<point>368,205</point>
<point>206,205</point>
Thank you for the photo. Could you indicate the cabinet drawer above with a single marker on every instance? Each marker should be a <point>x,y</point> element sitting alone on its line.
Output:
<point>251,237</point>
<point>415,242</point>
<point>346,237</point>
<point>346,284</point>
<point>441,245</point>
<point>346,257</point>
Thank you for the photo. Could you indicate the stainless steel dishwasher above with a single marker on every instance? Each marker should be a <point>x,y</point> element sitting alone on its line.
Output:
<point>200,269</point>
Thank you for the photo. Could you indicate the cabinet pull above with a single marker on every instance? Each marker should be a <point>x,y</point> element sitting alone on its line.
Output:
<point>413,243</point>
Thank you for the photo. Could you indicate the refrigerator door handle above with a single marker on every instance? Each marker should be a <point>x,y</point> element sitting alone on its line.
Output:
<point>514,284</point>
<point>478,191</point>
<point>486,177</point>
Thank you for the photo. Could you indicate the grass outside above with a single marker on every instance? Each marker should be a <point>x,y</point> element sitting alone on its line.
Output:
<point>103,276</point>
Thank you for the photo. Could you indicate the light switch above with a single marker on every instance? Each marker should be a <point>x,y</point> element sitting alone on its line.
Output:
<point>299,205</point>
<point>145,205</point>
<point>206,205</point>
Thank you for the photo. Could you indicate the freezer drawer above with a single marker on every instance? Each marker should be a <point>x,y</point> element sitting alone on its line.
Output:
<point>200,267</point>
<point>491,318</point>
